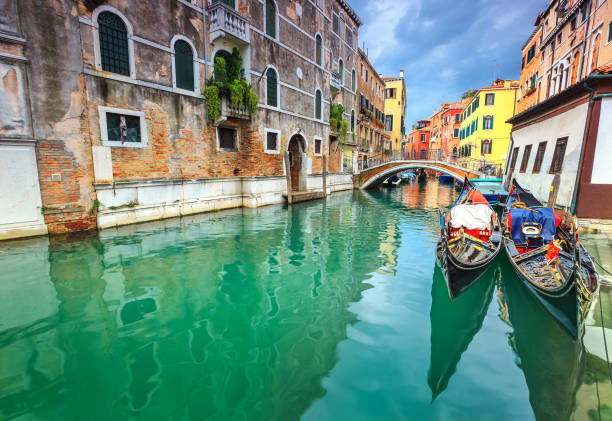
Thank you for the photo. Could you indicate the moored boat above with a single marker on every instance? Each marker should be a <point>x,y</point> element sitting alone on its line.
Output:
<point>470,238</point>
<point>544,251</point>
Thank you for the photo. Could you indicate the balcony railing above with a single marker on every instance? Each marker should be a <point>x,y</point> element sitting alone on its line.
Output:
<point>225,21</point>
<point>335,80</point>
<point>227,110</point>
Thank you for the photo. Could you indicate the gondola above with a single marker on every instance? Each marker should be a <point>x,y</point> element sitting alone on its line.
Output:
<point>545,252</point>
<point>470,238</point>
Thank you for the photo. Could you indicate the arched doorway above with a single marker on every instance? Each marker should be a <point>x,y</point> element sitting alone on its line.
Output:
<point>297,151</point>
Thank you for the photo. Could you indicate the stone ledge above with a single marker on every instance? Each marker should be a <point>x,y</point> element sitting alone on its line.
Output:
<point>595,225</point>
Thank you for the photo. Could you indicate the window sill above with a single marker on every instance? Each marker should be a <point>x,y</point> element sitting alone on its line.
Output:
<point>118,144</point>
<point>272,151</point>
<point>227,149</point>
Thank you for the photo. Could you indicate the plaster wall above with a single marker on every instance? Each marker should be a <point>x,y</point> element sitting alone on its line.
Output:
<point>569,124</point>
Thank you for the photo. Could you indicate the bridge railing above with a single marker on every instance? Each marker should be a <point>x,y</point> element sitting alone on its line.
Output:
<point>490,168</point>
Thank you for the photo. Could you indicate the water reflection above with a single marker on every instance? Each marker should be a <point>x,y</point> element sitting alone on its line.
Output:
<point>454,324</point>
<point>553,364</point>
<point>222,316</point>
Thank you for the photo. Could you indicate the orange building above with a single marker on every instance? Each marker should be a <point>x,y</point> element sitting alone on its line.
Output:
<point>417,143</point>
<point>451,129</point>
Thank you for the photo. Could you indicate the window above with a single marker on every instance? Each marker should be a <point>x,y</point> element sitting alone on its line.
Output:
<point>487,122</point>
<point>539,157</point>
<point>123,128</point>
<point>558,155</point>
<point>335,24</point>
<point>610,31</point>
<point>575,67</point>
<point>353,81</point>
<point>341,71</point>
<point>349,36</point>
<point>320,4</point>
<point>183,66</point>
<point>456,133</point>
<point>272,141</point>
<point>361,71</point>
<point>485,147</point>
<point>342,25</point>
<point>319,50</point>
<point>271,88</point>
<point>513,159</point>
<point>490,99</point>
<point>367,75</point>
<point>531,53</point>
<point>583,13</point>
<point>388,123</point>
<point>353,121</point>
<point>317,145</point>
<point>525,160</point>
<point>423,154</point>
<point>227,138</point>
<point>457,118</point>
<point>318,104</point>
<point>270,18</point>
<point>114,50</point>
<point>423,138</point>
<point>595,55</point>
<point>573,24</point>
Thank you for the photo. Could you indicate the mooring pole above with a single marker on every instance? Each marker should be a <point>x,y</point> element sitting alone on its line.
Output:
<point>324,176</point>
<point>288,177</point>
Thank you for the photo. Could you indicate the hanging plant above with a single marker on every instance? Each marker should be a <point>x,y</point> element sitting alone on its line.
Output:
<point>212,100</point>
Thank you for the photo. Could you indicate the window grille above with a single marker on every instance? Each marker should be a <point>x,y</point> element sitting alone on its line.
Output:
<point>114,51</point>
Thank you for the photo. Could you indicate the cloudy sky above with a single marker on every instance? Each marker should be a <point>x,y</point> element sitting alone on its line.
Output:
<point>445,47</point>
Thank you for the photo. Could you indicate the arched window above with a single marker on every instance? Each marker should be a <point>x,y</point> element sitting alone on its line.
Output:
<point>183,65</point>
<point>271,88</point>
<point>595,54</point>
<point>353,81</point>
<point>455,151</point>
<point>353,121</point>
<point>271,18</point>
<point>114,51</point>
<point>227,58</point>
<point>341,71</point>
<point>319,50</point>
<point>318,104</point>
<point>575,67</point>
<point>230,3</point>
<point>485,147</point>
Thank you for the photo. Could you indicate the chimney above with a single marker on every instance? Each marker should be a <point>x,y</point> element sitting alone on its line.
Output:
<point>401,73</point>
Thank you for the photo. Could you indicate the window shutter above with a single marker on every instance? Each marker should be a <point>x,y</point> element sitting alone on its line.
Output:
<point>335,23</point>
<point>318,105</point>
<point>272,88</point>
<point>319,51</point>
<point>484,123</point>
<point>183,65</point>
<point>491,124</point>
<point>270,18</point>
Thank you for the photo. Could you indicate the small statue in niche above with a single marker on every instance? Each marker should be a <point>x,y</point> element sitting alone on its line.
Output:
<point>122,128</point>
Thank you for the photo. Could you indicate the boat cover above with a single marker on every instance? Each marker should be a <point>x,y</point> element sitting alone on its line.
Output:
<point>544,216</point>
<point>471,217</point>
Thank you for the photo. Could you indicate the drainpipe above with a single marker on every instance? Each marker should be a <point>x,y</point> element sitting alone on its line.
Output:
<point>204,42</point>
<point>586,36</point>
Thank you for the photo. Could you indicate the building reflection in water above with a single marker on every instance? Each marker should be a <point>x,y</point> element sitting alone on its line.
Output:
<point>208,316</point>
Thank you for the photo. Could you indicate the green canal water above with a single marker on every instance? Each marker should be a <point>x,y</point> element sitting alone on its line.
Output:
<point>328,310</point>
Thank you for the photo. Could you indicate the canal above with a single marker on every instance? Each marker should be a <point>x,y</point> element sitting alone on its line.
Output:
<point>325,311</point>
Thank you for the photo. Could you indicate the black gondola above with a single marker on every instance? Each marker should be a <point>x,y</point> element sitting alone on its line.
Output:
<point>464,251</point>
<point>545,253</point>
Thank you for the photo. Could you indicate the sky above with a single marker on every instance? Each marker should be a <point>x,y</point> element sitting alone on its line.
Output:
<point>445,47</point>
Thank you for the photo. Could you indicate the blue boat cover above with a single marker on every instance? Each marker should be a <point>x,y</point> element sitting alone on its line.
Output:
<point>544,217</point>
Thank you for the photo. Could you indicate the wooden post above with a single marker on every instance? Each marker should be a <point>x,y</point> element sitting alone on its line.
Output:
<point>324,176</point>
<point>288,176</point>
<point>554,190</point>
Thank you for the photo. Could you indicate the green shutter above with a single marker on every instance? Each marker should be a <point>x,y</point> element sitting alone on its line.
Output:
<point>272,88</point>
<point>491,127</point>
<point>319,53</point>
<point>341,69</point>
<point>318,105</point>
<point>270,18</point>
<point>230,3</point>
<point>183,65</point>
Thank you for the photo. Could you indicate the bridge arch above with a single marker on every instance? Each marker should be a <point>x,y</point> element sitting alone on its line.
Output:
<point>374,176</point>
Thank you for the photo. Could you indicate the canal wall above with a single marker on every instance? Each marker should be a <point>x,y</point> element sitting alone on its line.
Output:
<point>130,202</point>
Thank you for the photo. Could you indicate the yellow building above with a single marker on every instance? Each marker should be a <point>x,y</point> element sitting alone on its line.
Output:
<point>395,111</point>
<point>484,131</point>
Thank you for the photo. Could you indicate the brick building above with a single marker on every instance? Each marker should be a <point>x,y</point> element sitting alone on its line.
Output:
<point>371,128</point>
<point>417,143</point>
<point>104,118</point>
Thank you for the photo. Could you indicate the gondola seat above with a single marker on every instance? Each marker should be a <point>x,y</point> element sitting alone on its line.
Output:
<point>520,218</point>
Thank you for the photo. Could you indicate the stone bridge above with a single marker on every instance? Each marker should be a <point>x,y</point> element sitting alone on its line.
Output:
<point>375,175</point>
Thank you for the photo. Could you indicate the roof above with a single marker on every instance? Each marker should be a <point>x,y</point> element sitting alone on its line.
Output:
<point>365,57</point>
<point>555,100</point>
<point>348,9</point>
